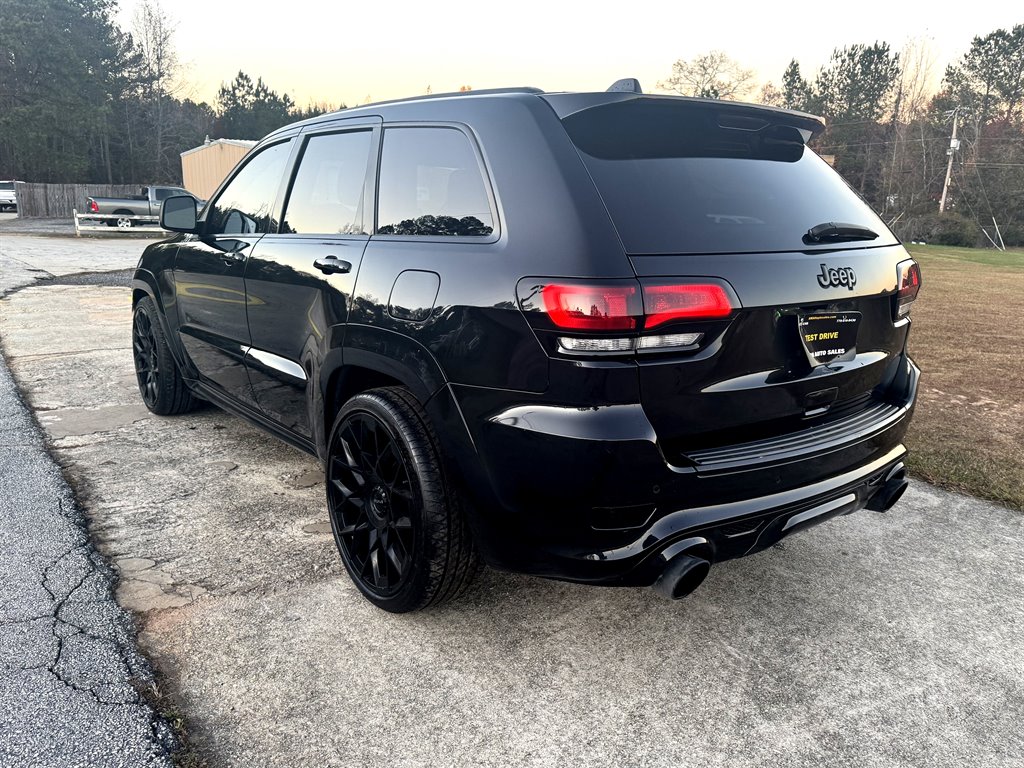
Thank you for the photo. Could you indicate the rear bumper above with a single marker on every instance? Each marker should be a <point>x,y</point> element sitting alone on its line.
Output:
<point>736,529</point>
<point>586,494</point>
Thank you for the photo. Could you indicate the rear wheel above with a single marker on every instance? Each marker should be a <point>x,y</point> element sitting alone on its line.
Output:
<point>399,526</point>
<point>122,221</point>
<point>160,383</point>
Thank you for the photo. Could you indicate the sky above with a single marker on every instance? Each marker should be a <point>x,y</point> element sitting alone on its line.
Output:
<point>356,52</point>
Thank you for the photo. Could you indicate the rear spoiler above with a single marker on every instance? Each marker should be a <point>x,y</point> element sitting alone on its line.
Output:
<point>732,114</point>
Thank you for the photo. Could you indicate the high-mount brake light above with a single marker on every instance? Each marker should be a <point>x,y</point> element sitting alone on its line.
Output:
<point>686,301</point>
<point>908,276</point>
<point>609,307</point>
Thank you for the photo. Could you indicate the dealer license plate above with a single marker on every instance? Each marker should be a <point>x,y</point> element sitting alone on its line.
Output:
<point>828,336</point>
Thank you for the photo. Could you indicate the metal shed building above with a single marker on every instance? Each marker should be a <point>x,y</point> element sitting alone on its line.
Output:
<point>205,166</point>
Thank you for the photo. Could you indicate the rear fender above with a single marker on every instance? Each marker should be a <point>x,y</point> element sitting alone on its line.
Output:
<point>376,350</point>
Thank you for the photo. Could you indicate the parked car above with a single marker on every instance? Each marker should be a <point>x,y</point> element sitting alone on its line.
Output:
<point>8,196</point>
<point>604,337</point>
<point>147,203</point>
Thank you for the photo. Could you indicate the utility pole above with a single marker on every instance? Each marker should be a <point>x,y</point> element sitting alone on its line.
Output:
<point>954,145</point>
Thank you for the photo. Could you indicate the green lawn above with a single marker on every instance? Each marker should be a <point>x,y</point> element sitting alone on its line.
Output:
<point>1013,258</point>
<point>968,338</point>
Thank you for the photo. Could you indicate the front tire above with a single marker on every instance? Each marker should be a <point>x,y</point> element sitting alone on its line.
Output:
<point>399,525</point>
<point>160,383</point>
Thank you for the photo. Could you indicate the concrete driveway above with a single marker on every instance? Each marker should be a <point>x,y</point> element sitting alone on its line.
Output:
<point>874,640</point>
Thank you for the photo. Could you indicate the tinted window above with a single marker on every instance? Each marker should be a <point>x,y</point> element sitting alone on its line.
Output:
<point>162,193</point>
<point>6,185</point>
<point>430,184</point>
<point>327,195</point>
<point>681,178</point>
<point>245,206</point>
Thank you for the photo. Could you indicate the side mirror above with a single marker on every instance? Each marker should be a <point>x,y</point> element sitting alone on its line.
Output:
<point>178,214</point>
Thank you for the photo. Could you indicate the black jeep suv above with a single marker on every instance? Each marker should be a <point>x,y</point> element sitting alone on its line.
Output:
<point>604,337</point>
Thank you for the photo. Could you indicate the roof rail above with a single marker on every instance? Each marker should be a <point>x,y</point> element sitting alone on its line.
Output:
<point>481,92</point>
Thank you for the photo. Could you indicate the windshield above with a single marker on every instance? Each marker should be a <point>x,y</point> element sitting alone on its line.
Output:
<point>683,178</point>
<point>6,185</point>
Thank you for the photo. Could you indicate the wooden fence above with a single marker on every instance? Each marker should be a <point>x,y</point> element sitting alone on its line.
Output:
<point>57,201</point>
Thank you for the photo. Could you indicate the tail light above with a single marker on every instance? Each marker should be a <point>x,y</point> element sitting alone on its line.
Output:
<point>908,283</point>
<point>610,307</point>
<point>664,303</point>
<point>93,207</point>
<point>608,317</point>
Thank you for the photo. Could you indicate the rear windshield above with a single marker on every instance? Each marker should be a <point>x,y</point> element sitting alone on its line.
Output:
<point>6,185</point>
<point>685,178</point>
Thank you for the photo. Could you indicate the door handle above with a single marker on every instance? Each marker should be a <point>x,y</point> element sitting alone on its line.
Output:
<point>332,265</point>
<point>232,258</point>
<point>234,254</point>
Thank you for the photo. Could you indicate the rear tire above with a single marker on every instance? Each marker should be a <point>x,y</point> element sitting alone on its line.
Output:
<point>162,388</point>
<point>123,222</point>
<point>399,525</point>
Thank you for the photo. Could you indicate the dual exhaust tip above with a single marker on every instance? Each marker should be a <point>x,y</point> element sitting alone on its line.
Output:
<point>684,573</point>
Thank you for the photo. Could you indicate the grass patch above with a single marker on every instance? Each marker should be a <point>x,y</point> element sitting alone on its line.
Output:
<point>1011,259</point>
<point>968,338</point>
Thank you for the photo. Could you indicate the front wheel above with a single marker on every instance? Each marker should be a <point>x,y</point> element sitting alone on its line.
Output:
<point>160,383</point>
<point>399,525</point>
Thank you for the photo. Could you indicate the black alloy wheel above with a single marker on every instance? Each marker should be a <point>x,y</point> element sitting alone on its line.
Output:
<point>373,502</point>
<point>147,362</point>
<point>162,388</point>
<point>398,524</point>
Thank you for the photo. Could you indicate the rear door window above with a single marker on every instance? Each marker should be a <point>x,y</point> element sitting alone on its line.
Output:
<point>327,194</point>
<point>431,184</point>
<point>680,178</point>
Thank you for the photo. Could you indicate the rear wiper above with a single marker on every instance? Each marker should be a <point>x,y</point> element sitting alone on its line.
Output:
<point>832,232</point>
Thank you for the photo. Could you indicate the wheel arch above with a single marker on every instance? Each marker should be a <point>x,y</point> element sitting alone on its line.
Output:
<point>347,372</point>
<point>144,285</point>
<point>142,288</point>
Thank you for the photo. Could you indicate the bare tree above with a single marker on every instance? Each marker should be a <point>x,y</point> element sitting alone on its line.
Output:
<point>917,73</point>
<point>771,95</point>
<point>907,170</point>
<point>711,75</point>
<point>154,33</point>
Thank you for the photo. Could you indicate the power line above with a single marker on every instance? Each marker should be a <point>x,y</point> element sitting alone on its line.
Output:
<point>914,141</point>
<point>883,143</point>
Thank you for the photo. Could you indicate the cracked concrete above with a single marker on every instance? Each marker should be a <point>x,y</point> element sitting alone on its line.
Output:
<point>70,675</point>
<point>874,640</point>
